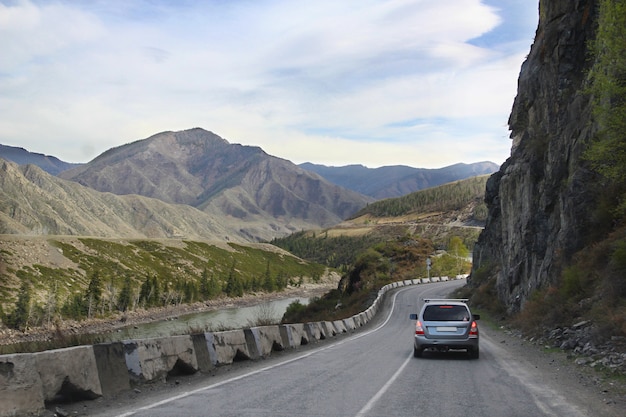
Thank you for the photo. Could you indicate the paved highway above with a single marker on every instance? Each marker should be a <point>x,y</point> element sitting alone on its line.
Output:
<point>371,373</point>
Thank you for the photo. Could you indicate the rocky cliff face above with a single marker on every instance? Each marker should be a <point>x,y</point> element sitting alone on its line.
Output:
<point>540,202</point>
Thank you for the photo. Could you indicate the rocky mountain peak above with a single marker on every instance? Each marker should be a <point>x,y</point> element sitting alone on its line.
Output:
<point>268,196</point>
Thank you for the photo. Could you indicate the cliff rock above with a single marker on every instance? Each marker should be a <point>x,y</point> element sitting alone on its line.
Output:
<point>540,201</point>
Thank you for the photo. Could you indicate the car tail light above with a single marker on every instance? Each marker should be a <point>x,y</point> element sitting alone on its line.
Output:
<point>418,328</point>
<point>474,329</point>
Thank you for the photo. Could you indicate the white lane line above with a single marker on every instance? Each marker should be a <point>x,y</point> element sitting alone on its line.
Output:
<point>297,358</point>
<point>370,404</point>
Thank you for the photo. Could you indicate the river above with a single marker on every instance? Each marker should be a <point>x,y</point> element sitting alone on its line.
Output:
<point>216,320</point>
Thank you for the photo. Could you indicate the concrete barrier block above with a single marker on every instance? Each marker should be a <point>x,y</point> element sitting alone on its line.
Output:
<point>426,280</point>
<point>445,279</point>
<point>69,374</point>
<point>210,344</point>
<point>374,307</point>
<point>363,319</point>
<point>340,326</point>
<point>435,279</point>
<point>203,356</point>
<point>112,371</point>
<point>329,329</point>
<point>349,323</point>
<point>230,346</point>
<point>160,357</point>
<point>314,332</point>
<point>253,342</point>
<point>21,390</point>
<point>298,334</point>
<point>268,339</point>
<point>321,329</point>
<point>286,335</point>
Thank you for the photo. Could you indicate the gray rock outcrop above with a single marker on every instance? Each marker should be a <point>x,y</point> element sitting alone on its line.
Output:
<point>540,201</point>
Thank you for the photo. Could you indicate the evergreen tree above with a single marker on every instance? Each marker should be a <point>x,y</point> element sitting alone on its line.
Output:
<point>93,294</point>
<point>269,282</point>
<point>607,152</point>
<point>234,286</point>
<point>74,307</point>
<point>214,287</point>
<point>205,291</point>
<point>125,299</point>
<point>18,319</point>
<point>155,299</point>
<point>145,292</point>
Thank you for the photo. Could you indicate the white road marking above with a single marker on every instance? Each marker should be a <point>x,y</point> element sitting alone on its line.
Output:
<point>383,390</point>
<point>297,358</point>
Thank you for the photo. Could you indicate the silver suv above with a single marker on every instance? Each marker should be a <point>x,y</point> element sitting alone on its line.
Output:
<point>445,324</point>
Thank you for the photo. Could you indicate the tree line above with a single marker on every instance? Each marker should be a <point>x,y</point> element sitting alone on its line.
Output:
<point>447,197</point>
<point>101,299</point>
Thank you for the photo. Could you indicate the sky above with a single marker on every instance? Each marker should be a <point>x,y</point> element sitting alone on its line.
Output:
<point>423,83</point>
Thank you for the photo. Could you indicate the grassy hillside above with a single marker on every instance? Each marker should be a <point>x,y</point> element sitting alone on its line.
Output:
<point>446,198</point>
<point>46,279</point>
<point>388,241</point>
<point>43,280</point>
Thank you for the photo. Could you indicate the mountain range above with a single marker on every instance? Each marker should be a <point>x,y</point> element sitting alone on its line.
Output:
<point>193,183</point>
<point>21,156</point>
<point>397,180</point>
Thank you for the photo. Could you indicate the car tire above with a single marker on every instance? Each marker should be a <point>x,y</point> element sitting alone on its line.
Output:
<point>417,353</point>
<point>474,353</point>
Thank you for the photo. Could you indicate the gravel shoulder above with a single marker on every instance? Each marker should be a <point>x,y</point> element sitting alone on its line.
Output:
<point>594,388</point>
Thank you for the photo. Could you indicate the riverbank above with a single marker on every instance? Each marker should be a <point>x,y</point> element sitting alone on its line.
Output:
<point>70,328</point>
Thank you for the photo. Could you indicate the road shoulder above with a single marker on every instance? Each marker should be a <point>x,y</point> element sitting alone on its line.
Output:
<point>593,389</point>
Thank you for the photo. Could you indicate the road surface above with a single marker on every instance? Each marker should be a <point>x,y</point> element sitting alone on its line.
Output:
<point>372,373</point>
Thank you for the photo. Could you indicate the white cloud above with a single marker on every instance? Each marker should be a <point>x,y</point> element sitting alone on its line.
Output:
<point>378,82</point>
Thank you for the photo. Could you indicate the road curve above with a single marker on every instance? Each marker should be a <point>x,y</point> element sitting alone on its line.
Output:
<point>371,373</point>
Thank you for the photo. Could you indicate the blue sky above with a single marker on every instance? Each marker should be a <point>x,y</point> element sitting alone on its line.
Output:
<point>424,83</point>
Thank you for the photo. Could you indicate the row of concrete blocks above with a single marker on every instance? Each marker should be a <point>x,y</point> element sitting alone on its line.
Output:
<point>28,381</point>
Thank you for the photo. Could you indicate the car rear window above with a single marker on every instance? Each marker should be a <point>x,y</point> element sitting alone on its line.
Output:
<point>446,313</point>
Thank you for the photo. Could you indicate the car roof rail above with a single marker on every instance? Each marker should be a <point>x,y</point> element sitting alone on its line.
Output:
<point>458,300</point>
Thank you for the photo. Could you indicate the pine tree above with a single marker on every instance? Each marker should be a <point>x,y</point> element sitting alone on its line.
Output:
<point>125,298</point>
<point>214,287</point>
<point>205,291</point>
<point>93,295</point>
<point>156,292</point>
<point>269,282</point>
<point>18,319</point>
<point>145,292</point>
<point>234,286</point>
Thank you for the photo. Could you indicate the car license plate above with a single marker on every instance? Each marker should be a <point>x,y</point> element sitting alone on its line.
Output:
<point>446,329</point>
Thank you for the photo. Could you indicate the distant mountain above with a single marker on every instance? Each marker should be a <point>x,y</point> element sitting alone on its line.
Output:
<point>34,202</point>
<point>21,156</point>
<point>397,180</point>
<point>264,195</point>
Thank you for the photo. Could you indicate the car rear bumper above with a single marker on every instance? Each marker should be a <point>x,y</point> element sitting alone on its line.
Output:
<point>422,342</point>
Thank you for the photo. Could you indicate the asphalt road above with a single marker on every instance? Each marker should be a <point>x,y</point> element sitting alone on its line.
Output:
<point>372,373</point>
